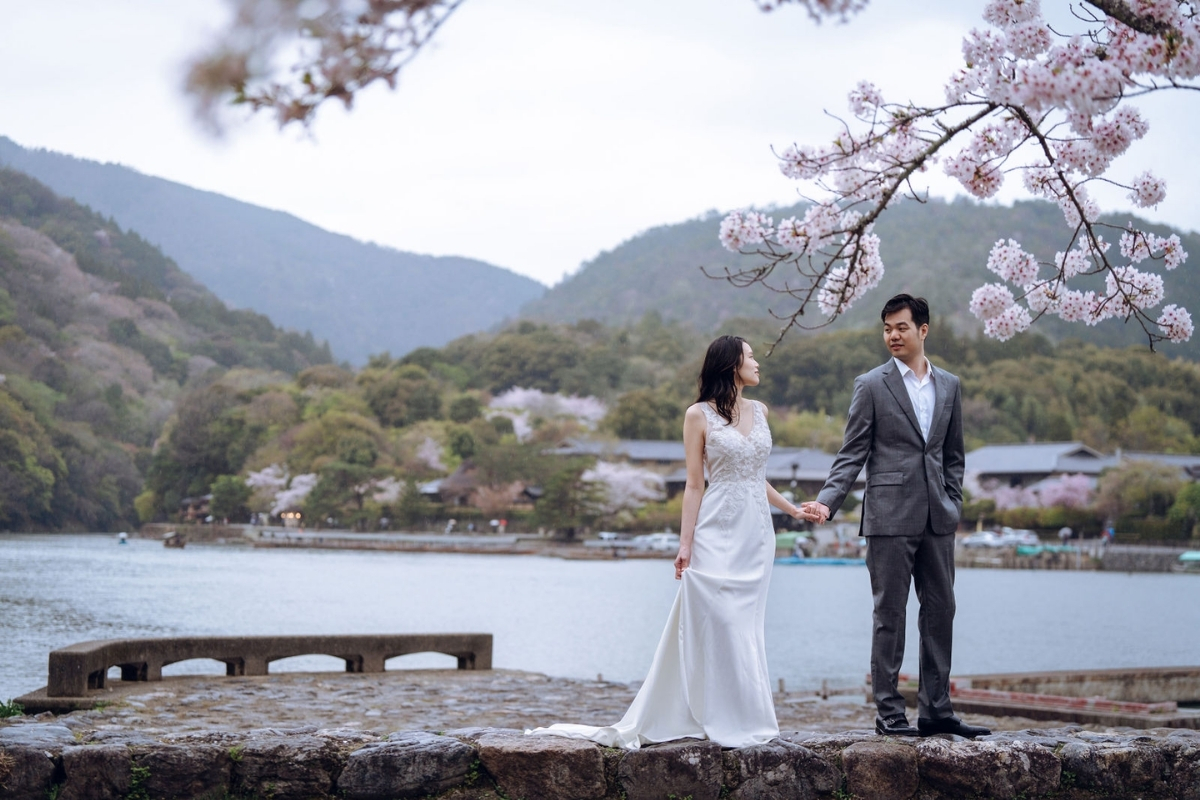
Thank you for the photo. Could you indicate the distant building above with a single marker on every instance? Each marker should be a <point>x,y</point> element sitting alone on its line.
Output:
<point>1030,465</point>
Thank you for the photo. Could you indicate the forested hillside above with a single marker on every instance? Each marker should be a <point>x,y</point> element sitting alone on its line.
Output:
<point>937,249</point>
<point>360,297</point>
<point>354,447</point>
<point>99,333</point>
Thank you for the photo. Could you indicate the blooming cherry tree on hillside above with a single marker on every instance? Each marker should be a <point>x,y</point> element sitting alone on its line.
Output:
<point>1046,108</point>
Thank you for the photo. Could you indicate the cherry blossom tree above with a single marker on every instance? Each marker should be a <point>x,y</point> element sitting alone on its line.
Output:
<point>1068,491</point>
<point>1049,108</point>
<point>626,487</point>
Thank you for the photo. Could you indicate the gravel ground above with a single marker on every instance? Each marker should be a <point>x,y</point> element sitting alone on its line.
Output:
<point>432,700</point>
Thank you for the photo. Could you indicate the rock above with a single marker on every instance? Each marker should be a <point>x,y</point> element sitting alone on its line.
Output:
<point>543,767</point>
<point>96,772</point>
<point>988,769</point>
<point>407,765</point>
<point>285,767</point>
<point>26,773</point>
<point>472,735</point>
<point>829,746</point>
<point>175,771</point>
<point>47,737</point>
<point>126,738</point>
<point>1185,776</point>
<point>1114,768</point>
<point>778,770</point>
<point>683,768</point>
<point>881,770</point>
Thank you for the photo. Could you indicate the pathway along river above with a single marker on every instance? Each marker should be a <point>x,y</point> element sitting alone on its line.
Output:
<point>562,618</point>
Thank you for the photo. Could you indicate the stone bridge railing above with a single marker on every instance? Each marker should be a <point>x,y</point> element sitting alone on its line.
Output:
<point>82,667</point>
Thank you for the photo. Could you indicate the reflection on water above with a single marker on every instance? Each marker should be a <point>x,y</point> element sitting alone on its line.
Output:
<point>569,618</point>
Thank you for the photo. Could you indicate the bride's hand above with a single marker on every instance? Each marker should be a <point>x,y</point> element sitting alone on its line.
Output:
<point>682,561</point>
<point>802,512</point>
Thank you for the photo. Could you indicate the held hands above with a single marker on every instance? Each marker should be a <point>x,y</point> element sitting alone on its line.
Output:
<point>814,511</point>
<point>683,560</point>
<point>804,513</point>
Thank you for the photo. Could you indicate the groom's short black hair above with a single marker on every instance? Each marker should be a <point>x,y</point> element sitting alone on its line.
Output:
<point>919,307</point>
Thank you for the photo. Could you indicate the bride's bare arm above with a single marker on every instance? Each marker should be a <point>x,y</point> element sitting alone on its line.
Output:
<point>694,427</point>
<point>781,502</point>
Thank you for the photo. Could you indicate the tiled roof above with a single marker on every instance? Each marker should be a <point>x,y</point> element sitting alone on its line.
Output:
<point>1021,459</point>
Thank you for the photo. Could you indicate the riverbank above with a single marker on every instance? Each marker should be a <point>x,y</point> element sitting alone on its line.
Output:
<point>1087,556</point>
<point>325,735</point>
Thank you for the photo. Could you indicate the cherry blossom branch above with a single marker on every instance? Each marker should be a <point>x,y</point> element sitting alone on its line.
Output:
<point>1124,14</point>
<point>1050,107</point>
<point>334,49</point>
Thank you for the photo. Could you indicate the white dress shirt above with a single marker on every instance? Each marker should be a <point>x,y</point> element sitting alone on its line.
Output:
<point>921,392</point>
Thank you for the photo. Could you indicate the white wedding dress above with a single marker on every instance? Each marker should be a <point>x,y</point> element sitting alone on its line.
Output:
<point>709,676</point>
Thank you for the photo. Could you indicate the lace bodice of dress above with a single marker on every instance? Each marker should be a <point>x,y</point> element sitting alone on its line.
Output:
<point>732,457</point>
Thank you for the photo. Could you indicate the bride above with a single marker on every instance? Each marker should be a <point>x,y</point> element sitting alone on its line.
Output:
<point>709,676</point>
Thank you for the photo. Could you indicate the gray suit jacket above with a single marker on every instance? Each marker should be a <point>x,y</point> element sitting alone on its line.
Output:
<point>909,480</point>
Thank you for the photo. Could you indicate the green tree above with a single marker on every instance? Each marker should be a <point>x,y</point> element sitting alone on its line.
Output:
<point>462,443</point>
<point>345,483</point>
<point>401,396</point>
<point>412,508</point>
<point>465,408</point>
<point>1138,489</point>
<point>1186,508</point>
<point>645,414</point>
<point>230,498</point>
<point>568,502</point>
<point>30,466</point>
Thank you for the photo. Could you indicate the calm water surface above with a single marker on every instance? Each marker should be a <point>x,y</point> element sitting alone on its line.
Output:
<point>568,618</point>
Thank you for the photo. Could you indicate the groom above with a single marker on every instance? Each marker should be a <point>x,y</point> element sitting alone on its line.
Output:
<point>905,425</point>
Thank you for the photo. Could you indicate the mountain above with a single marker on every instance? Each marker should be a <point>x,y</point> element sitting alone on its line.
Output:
<point>937,249</point>
<point>99,335</point>
<point>362,298</point>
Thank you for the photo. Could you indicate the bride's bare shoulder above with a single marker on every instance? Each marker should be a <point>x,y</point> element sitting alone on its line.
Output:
<point>695,410</point>
<point>763,406</point>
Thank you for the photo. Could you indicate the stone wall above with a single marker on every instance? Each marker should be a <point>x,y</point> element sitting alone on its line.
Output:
<point>1132,558</point>
<point>42,759</point>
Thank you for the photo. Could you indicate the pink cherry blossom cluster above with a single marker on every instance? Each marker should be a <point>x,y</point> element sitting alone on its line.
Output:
<point>1050,107</point>
<point>1147,190</point>
<point>1175,323</point>
<point>846,283</point>
<point>1068,491</point>
<point>742,228</point>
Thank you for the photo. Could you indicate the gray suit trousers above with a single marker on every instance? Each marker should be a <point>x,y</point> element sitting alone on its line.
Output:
<point>929,560</point>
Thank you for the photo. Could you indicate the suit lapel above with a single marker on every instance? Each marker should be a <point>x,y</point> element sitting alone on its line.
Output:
<point>895,384</point>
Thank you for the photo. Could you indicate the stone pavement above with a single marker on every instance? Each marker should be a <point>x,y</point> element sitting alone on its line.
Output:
<point>431,700</point>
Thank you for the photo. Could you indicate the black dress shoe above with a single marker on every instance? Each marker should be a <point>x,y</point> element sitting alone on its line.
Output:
<point>932,727</point>
<point>895,726</point>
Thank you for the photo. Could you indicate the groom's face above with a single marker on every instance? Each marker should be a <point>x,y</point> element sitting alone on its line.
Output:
<point>902,337</point>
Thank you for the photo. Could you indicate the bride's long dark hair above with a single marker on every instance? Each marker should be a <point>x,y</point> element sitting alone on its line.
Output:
<point>717,382</point>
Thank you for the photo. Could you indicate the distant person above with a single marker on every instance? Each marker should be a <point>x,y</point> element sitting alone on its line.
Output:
<point>905,424</point>
<point>709,676</point>
<point>1064,534</point>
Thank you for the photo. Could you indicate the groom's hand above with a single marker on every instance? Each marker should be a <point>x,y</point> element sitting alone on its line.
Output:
<point>820,511</point>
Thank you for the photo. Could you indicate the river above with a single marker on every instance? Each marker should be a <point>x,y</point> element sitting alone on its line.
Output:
<point>564,618</point>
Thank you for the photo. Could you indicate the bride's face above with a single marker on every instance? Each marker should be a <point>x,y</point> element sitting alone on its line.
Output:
<point>747,371</point>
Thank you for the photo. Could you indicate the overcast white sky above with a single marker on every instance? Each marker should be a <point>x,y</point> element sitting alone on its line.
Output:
<point>535,133</point>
